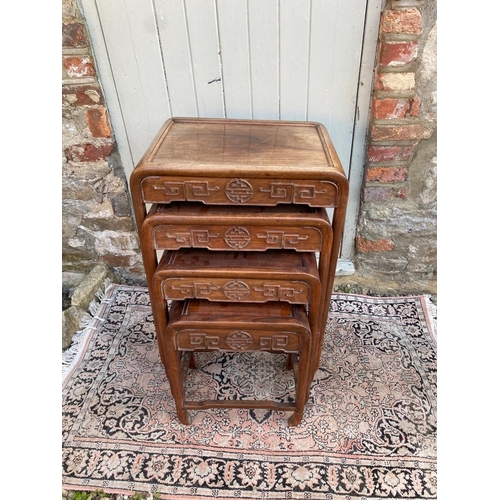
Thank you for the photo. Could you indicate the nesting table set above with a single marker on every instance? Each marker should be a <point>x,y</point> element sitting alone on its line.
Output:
<point>238,208</point>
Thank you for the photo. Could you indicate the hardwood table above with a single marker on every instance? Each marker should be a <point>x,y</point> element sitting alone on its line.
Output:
<point>225,200</point>
<point>276,327</point>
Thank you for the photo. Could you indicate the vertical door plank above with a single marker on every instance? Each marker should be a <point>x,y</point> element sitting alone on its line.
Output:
<point>203,36</point>
<point>294,58</point>
<point>346,62</point>
<point>132,42</point>
<point>233,33</point>
<point>171,20</point>
<point>264,58</point>
<point>337,35</point>
<point>322,101</point>
<point>108,83</point>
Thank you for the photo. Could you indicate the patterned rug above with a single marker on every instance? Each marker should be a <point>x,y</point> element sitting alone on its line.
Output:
<point>369,429</point>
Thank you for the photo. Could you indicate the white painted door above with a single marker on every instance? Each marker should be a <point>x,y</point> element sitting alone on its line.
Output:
<point>258,59</point>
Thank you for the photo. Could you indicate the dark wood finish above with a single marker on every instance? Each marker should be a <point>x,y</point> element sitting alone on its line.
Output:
<point>239,191</point>
<point>194,225</point>
<point>257,187</point>
<point>258,277</point>
<point>278,151</point>
<point>197,325</point>
<point>250,277</point>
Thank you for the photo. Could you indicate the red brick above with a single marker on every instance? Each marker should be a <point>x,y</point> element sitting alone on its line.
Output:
<point>388,109</point>
<point>395,81</point>
<point>84,95</point>
<point>97,120</point>
<point>74,35</point>
<point>400,132</point>
<point>79,67</point>
<point>88,152</point>
<point>389,153</point>
<point>381,245</point>
<point>386,174</point>
<point>402,193</point>
<point>407,21</point>
<point>414,107</point>
<point>379,83</point>
<point>398,53</point>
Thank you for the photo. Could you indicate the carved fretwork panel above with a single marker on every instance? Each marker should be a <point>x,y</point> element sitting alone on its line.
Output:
<point>230,237</point>
<point>227,290</point>
<point>247,340</point>
<point>225,191</point>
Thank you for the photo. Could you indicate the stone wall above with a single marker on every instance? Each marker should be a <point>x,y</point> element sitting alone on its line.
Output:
<point>97,222</point>
<point>397,233</point>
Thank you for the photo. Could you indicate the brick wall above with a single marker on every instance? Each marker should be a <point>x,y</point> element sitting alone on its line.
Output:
<point>97,219</point>
<point>396,234</point>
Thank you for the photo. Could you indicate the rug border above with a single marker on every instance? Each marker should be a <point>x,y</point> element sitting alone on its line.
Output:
<point>424,300</point>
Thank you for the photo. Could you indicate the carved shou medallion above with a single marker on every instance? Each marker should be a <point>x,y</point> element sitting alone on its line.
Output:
<point>239,341</point>
<point>237,237</point>
<point>236,290</point>
<point>239,191</point>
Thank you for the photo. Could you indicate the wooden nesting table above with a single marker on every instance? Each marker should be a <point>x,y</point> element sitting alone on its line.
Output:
<point>238,208</point>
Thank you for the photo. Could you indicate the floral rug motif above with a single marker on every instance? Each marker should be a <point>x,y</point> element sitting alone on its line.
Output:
<point>368,432</point>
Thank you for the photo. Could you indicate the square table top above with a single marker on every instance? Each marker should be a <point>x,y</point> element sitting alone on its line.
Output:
<point>206,147</point>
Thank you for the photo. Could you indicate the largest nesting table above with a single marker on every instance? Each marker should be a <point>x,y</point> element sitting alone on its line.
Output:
<point>238,208</point>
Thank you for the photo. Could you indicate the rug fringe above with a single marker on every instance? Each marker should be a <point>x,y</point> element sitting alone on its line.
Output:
<point>71,355</point>
<point>432,312</point>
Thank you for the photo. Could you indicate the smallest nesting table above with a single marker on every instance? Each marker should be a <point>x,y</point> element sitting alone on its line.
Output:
<point>196,325</point>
